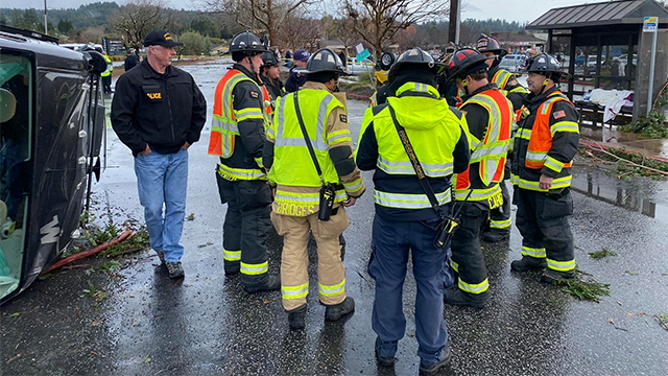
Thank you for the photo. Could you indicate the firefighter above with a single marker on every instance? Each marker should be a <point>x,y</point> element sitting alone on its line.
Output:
<point>543,151</point>
<point>299,182</point>
<point>499,227</point>
<point>237,137</point>
<point>270,74</point>
<point>489,117</point>
<point>406,220</point>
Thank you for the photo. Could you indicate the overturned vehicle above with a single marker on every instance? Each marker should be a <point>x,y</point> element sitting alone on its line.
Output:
<point>51,128</point>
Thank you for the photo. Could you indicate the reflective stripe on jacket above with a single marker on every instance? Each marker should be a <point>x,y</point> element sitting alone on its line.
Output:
<point>293,165</point>
<point>225,119</point>
<point>489,153</point>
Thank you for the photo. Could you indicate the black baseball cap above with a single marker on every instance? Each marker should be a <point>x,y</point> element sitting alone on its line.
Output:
<point>160,38</point>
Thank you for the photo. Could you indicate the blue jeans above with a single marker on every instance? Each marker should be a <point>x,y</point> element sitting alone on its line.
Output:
<point>162,179</point>
<point>391,244</point>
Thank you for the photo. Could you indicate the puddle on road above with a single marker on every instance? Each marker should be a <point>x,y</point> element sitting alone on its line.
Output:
<point>657,147</point>
<point>620,193</point>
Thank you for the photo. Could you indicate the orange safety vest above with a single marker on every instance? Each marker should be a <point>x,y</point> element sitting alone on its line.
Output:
<point>540,141</point>
<point>490,152</point>
<point>501,78</point>
<point>224,124</point>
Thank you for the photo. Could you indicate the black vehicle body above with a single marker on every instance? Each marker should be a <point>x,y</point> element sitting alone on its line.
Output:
<point>59,145</point>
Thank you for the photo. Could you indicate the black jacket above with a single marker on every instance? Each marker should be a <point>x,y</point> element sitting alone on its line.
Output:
<point>131,62</point>
<point>294,81</point>
<point>274,87</point>
<point>161,110</point>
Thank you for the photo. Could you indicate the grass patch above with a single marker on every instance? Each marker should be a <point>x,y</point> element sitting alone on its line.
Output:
<point>663,319</point>
<point>602,254</point>
<point>589,289</point>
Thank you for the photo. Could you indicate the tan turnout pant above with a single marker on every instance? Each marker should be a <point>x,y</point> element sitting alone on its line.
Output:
<point>294,263</point>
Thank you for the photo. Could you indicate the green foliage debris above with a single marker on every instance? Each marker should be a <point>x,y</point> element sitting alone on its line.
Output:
<point>602,253</point>
<point>589,289</point>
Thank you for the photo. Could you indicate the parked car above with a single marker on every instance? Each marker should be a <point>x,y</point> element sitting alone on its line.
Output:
<point>513,63</point>
<point>357,68</point>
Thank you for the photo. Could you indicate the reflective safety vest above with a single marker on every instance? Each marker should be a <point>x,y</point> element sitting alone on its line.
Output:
<point>540,136</point>
<point>490,152</point>
<point>293,165</point>
<point>224,125</point>
<point>110,67</point>
<point>434,148</point>
<point>501,79</point>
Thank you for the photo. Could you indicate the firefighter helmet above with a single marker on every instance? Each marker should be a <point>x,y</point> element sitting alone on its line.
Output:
<point>247,42</point>
<point>269,59</point>
<point>323,60</point>
<point>413,57</point>
<point>466,61</point>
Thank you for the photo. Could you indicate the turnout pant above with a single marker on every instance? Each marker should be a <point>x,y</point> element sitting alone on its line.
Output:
<point>390,246</point>
<point>543,223</point>
<point>245,229</point>
<point>294,262</point>
<point>500,217</point>
<point>467,259</point>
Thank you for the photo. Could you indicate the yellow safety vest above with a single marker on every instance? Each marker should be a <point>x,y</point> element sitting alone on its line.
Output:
<point>110,67</point>
<point>293,165</point>
<point>433,146</point>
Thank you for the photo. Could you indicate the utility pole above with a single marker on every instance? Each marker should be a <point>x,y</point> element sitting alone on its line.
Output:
<point>453,26</point>
<point>46,31</point>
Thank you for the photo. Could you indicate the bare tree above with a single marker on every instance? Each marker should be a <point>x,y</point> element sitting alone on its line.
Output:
<point>139,17</point>
<point>298,32</point>
<point>265,15</point>
<point>377,21</point>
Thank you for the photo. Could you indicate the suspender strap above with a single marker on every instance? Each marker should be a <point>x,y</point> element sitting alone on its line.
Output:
<point>416,165</point>
<point>307,139</point>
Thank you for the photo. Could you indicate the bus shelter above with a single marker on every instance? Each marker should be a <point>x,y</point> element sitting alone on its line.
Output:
<point>603,46</point>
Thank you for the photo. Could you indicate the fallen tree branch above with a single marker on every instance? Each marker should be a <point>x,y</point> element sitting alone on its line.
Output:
<point>596,146</point>
<point>81,255</point>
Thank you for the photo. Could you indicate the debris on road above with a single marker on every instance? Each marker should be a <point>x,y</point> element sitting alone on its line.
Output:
<point>602,254</point>
<point>70,259</point>
<point>584,289</point>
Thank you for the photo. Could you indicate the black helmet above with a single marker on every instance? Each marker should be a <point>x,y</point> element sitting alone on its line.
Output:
<point>489,44</point>
<point>545,65</point>
<point>466,61</point>
<point>269,59</point>
<point>324,60</point>
<point>415,56</point>
<point>247,42</point>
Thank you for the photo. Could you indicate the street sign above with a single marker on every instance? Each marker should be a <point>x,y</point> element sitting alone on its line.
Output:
<point>359,48</point>
<point>362,55</point>
<point>650,24</point>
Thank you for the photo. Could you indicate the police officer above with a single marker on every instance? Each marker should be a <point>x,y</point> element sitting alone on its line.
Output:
<point>507,82</point>
<point>158,112</point>
<point>237,136</point>
<point>270,75</point>
<point>296,207</point>
<point>489,117</point>
<point>544,147</point>
<point>405,219</point>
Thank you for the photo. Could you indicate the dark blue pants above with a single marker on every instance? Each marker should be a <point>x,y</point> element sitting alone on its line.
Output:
<point>390,246</point>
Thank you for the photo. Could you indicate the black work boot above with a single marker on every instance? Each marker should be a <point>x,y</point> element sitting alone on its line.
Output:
<point>495,236</point>
<point>273,283</point>
<point>336,311</point>
<point>550,275</point>
<point>297,318</point>
<point>383,361</point>
<point>433,368</point>
<point>528,263</point>
<point>456,297</point>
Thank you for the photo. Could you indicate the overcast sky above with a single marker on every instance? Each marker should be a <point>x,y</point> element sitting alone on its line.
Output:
<point>511,10</point>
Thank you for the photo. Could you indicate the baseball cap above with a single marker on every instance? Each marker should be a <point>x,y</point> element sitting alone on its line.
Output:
<point>160,38</point>
<point>300,55</point>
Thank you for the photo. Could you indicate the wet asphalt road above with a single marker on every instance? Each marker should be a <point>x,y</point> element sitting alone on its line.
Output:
<point>207,325</point>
